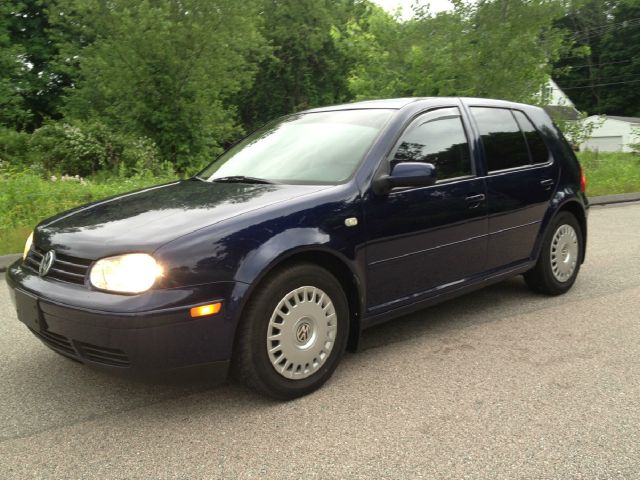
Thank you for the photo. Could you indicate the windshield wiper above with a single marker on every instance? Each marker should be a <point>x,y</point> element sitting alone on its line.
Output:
<point>241,179</point>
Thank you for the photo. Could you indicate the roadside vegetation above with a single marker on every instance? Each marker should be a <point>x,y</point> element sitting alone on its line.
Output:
<point>611,173</point>
<point>99,98</point>
<point>27,197</point>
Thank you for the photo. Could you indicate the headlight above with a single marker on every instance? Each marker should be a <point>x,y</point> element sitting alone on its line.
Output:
<point>27,246</point>
<point>131,273</point>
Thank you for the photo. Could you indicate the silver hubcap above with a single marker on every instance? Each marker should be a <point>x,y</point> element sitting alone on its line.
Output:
<point>302,331</point>
<point>564,252</point>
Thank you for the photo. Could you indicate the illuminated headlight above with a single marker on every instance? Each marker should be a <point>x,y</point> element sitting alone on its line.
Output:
<point>130,273</point>
<point>27,246</point>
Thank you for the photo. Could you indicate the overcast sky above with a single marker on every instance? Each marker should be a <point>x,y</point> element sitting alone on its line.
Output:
<point>391,5</point>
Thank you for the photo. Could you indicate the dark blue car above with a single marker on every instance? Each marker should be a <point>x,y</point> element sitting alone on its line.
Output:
<point>316,226</point>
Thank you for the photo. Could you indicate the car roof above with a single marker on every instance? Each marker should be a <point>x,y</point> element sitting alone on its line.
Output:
<point>398,103</point>
<point>390,103</point>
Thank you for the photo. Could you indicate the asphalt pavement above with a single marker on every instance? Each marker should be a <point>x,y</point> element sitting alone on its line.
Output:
<point>500,384</point>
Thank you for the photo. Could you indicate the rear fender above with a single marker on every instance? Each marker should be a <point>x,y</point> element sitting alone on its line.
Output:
<point>561,201</point>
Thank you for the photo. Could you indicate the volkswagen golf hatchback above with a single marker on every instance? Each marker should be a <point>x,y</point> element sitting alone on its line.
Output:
<point>278,255</point>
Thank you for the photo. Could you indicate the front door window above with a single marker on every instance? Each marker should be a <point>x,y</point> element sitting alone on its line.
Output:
<point>438,138</point>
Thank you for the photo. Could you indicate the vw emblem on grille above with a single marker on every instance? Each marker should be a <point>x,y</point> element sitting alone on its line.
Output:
<point>47,261</point>
<point>302,333</point>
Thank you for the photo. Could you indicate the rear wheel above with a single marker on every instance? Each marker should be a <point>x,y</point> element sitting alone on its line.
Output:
<point>293,332</point>
<point>560,257</point>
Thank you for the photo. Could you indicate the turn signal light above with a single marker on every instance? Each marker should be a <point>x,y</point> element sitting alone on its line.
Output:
<point>583,181</point>
<point>204,310</point>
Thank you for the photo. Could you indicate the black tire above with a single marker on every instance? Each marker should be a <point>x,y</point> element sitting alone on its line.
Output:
<point>251,362</point>
<point>541,279</point>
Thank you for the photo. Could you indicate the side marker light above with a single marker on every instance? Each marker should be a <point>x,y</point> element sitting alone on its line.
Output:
<point>205,310</point>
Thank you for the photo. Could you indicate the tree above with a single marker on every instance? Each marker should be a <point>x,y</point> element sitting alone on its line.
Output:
<point>620,62</point>
<point>305,68</point>
<point>604,76</point>
<point>492,48</point>
<point>378,44</point>
<point>164,69</point>
<point>13,112</point>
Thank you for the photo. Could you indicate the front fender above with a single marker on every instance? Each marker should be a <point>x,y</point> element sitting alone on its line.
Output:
<point>277,248</point>
<point>310,244</point>
<point>244,247</point>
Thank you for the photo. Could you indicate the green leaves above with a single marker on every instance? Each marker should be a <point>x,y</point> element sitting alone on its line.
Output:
<point>12,71</point>
<point>603,77</point>
<point>498,49</point>
<point>166,70</point>
<point>305,67</point>
<point>190,77</point>
<point>84,148</point>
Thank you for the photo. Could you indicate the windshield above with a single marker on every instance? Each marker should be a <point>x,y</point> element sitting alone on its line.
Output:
<point>322,148</point>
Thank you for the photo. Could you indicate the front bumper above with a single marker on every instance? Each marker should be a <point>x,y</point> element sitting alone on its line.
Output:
<point>142,333</point>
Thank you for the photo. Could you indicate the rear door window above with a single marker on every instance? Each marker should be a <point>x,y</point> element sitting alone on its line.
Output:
<point>537,147</point>
<point>504,143</point>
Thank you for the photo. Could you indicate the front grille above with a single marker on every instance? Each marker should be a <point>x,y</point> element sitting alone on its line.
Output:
<point>107,356</point>
<point>65,267</point>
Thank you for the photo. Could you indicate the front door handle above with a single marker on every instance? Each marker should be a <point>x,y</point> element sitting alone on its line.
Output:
<point>475,200</point>
<point>547,184</point>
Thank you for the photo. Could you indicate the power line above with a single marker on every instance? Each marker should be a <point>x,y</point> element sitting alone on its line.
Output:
<point>601,64</point>
<point>608,78</point>
<point>596,32</point>
<point>601,85</point>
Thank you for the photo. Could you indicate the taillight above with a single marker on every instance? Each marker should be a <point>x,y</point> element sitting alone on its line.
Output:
<point>583,181</point>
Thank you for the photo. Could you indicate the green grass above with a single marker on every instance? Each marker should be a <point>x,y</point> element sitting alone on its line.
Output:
<point>12,239</point>
<point>610,173</point>
<point>26,199</point>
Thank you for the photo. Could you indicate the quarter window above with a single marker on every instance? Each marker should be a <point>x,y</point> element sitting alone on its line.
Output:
<point>439,138</point>
<point>537,147</point>
<point>504,143</point>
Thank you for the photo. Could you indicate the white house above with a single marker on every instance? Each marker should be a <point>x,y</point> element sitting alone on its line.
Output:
<point>612,134</point>
<point>557,103</point>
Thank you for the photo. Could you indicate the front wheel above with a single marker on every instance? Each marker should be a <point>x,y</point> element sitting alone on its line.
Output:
<point>293,332</point>
<point>560,257</point>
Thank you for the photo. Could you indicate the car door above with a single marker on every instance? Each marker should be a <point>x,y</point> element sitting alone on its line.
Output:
<point>423,239</point>
<point>521,176</point>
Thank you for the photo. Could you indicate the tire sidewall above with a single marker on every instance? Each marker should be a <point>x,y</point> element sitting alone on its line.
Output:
<point>564,218</point>
<point>263,306</point>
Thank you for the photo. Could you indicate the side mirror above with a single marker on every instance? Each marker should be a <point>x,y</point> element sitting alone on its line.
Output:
<point>406,174</point>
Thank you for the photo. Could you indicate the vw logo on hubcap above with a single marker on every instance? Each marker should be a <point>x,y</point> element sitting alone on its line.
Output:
<point>303,332</point>
<point>46,263</point>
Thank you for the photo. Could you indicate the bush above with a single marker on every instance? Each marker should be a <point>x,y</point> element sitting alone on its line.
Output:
<point>84,148</point>
<point>14,147</point>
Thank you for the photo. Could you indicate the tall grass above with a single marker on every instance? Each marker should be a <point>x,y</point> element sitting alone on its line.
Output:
<point>26,199</point>
<point>610,173</point>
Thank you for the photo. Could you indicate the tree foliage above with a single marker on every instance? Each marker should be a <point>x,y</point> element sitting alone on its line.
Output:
<point>305,67</point>
<point>499,48</point>
<point>165,69</point>
<point>605,77</point>
<point>182,79</point>
<point>13,112</point>
<point>43,77</point>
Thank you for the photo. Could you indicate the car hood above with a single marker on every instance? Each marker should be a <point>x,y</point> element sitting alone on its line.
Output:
<point>147,219</point>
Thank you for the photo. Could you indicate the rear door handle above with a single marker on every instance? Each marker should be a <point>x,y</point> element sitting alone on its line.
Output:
<point>547,184</point>
<point>475,200</point>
